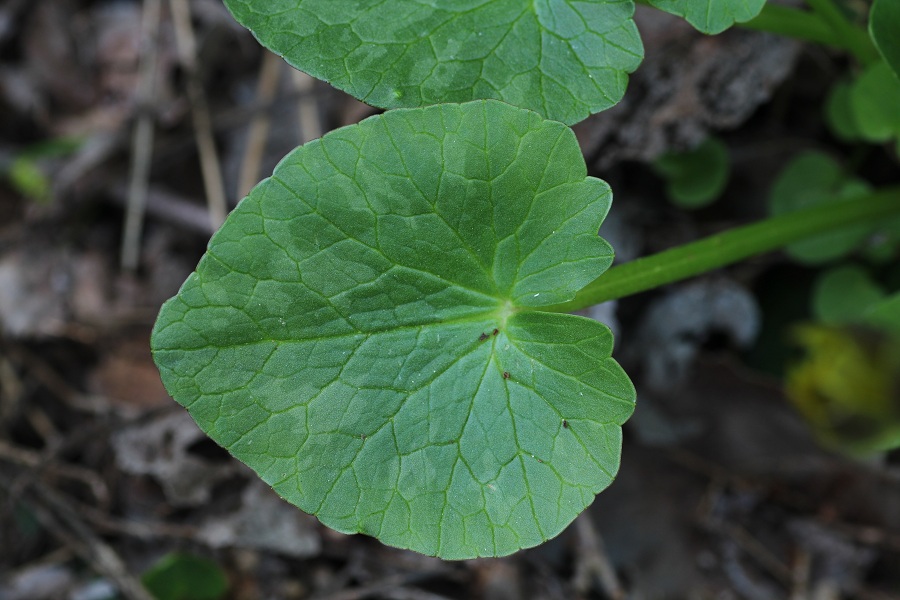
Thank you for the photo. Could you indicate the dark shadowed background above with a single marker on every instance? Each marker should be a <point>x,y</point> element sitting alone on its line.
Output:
<point>723,492</point>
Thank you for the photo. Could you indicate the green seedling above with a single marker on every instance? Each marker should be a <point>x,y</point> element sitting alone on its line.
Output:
<point>379,328</point>
<point>697,177</point>
<point>815,179</point>
<point>843,295</point>
<point>180,576</point>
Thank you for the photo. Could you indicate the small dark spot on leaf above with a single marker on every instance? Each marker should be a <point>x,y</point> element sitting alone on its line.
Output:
<point>565,424</point>
<point>540,461</point>
<point>483,337</point>
<point>496,331</point>
<point>505,374</point>
<point>362,436</point>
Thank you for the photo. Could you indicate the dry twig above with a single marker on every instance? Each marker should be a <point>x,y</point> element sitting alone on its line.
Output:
<point>142,138</point>
<point>58,519</point>
<point>389,586</point>
<point>800,575</point>
<point>259,126</point>
<point>307,107</point>
<point>593,563</point>
<point>36,463</point>
<point>171,207</point>
<point>210,166</point>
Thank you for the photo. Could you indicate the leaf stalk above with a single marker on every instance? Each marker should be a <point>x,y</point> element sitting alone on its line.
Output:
<point>731,246</point>
<point>825,24</point>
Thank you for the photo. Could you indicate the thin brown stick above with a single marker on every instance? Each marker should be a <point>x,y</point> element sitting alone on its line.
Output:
<point>58,519</point>
<point>593,563</point>
<point>757,550</point>
<point>142,138</point>
<point>57,556</point>
<point>800,575</point>
<point>135,529</point>
<point>258,133</point>
<point>11,390</point>
<point>42,425</point>
<point>36,463</point>
<point>210,166</point>
<point>382,586</point>
<point>52,380</point>
<point>171,207</point>
<point>308,114</point>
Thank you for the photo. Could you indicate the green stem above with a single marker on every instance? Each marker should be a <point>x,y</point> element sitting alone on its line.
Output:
<point>825,24</point>
<point>730,247</point>
<point>794,23</point>
<point>856,39</point>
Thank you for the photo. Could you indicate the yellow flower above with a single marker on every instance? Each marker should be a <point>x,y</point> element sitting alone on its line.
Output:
<point>847,386</point>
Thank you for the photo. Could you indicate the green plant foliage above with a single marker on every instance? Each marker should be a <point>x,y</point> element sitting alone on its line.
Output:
<point>562,59</point>
<point>813,179</point>
<point>179,576</point>
<point>365,331</point>
<point>875,98</point>
<point>711,16</point>
<point>844,294</point>
<point>839,112</point>
<point>25,172</point>
<point>884,27</point>
<point>885,314</point>
<point>28,179</point>
<point>866,108</point>
<point>695,178</point>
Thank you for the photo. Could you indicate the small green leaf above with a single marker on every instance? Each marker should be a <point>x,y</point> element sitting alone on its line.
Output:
<point>696,178</point>
<point>884,27</point>
<point>844,294</point>
<point>362,331</point>
<point>885,314</point>
<point>875,98</point>
<point>562,59</point>
<point>179,576</point>
<point>813,179</point>
<point>839,112</point>
<point>28,179</point>
<point>711,16</point>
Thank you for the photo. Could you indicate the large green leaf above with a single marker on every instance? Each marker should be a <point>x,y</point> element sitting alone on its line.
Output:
<point>363,331</point>
<point>711,16</point>
<point>884,27</point>
<point>565,59</point>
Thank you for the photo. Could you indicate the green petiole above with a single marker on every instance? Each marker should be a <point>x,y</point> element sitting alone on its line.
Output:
<point>730,247</point>
<point>825,24</point>
<point>856,39</point>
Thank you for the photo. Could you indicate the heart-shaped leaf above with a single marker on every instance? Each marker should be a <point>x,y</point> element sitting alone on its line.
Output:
<point>711,16</point>
<point>874,99</point>
<point>697,177</point>
<point>560,58</point>
<point>815,179</point>
<point>843,294</point>
<point>364,331</point>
